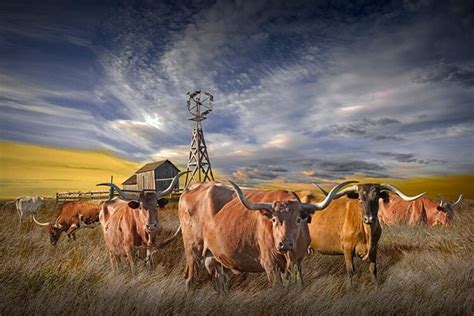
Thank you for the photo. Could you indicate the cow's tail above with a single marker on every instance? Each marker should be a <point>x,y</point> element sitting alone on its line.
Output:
<point>8,203</point>
<point>164,243</point>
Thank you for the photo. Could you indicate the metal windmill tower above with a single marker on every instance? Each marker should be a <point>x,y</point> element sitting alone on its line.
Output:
<point>199,167</point>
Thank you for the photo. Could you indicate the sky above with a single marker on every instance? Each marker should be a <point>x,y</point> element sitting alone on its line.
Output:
<point>303,90</point>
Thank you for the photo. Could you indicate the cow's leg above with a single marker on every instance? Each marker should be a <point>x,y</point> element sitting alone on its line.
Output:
<point>299,273</point>
<point>71,232</point>
<point>131,261</point>
<point>273,272</point>
<point>373,264</point>
<point>349,261</point>
<point>190,266</point>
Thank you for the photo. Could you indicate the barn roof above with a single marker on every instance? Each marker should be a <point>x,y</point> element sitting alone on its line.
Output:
<point>154,165</point>
<point>131,180</point>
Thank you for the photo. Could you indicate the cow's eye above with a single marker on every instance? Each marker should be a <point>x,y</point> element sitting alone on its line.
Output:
<point>274,220</point>
<point>298,220</point>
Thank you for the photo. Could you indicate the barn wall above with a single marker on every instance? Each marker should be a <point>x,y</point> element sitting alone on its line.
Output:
<point>146,180</point>
<point>166,170</point>
<point>133,187</point>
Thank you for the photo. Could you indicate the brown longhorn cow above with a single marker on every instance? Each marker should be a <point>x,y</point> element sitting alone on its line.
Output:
<point>72,216</point>
<point>422,211</point>
<point>244,231</point>
<point>130,227</point>
<point>350,226</point>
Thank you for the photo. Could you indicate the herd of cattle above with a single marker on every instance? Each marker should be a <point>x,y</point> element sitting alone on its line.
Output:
<point>228,229</point>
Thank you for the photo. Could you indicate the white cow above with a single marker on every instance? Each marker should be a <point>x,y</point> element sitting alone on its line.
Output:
<point>27,205</point>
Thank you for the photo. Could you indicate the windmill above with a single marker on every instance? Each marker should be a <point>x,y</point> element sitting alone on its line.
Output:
<point>199,167</point>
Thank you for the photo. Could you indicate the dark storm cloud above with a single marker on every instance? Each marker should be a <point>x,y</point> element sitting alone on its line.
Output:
<point>408,157</point>
<point>259,172</point>
<point>368,128</point>
<point>339,169</point>
<point>463,75</point>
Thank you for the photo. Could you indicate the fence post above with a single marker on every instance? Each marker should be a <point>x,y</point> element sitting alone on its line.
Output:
<point>111,191</point>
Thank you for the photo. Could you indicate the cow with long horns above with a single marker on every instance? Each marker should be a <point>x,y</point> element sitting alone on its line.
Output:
<point>350,226</point>
<point>72,217</point>
<point>230,229</point>
<point>422,211</point>
<point>130,226</point>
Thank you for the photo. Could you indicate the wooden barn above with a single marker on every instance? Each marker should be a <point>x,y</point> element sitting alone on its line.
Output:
<point>152,176</point>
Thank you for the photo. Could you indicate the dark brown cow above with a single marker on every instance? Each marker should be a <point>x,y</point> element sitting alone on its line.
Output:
<point>350,226</point>
<point>422,211</point>
<point>72,216</point>
<point>130,227</point>
<point>250,231</point>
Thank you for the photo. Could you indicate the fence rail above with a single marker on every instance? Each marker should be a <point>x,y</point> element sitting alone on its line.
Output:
<point>64,197</point>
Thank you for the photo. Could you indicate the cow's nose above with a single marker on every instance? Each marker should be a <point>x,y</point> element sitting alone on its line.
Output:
<point>151,226</point>
<point>285,245</point>
<point>368,219</point>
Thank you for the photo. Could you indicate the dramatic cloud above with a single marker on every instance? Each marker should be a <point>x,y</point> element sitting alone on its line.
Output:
<point>302,89</point>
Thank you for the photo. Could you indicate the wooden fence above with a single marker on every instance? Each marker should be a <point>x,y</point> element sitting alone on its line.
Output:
<point>64,197</point>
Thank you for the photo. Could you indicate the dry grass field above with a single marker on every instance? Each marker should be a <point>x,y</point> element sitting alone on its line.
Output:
<point>422,271</point>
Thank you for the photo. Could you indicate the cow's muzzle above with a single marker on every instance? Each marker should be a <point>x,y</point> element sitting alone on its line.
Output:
<point>151,227</point>
<point>285,245</point>
<point>368,219</point>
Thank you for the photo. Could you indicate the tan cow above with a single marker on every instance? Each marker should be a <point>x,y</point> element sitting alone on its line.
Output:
<point>244,231</point>
<point>130,227</point>
<point>422,211</point>
<point>72,216</point>
<point>350,226</point>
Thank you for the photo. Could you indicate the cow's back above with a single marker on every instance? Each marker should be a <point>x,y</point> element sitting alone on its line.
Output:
<point>397,211</point>
<point>27,205</point>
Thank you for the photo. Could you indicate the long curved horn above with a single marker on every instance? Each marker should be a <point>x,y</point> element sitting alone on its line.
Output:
<point>164,243</point>
<point>122,194</point>
<point>39,223</point>
<point>312,207</point>
<point>173,183</point>
<point>340,193</point>
<point>458,201</point>
<point>400,193</point>
<point>247,204</point>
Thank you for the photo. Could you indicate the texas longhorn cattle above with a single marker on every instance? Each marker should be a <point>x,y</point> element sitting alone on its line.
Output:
<point>27,205</point>
<point>350,226</point>
<point>72,216</point>
<point>244,231</point>
<point>422,211</point>
<point>130,226</point>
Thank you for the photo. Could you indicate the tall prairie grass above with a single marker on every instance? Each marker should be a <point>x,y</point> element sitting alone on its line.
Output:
<point>422,271</point>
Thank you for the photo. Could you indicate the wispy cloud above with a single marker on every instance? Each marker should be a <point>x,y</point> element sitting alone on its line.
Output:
<point>302,90</point>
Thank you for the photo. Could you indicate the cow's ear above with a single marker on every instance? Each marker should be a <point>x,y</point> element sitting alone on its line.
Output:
<point>305,215</point>
<point>385,196</point>
<point>353,195</point>
<point>162,202</point>
<point>134,204</point>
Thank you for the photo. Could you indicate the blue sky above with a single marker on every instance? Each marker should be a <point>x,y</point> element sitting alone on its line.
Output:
<point>303,89</point>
